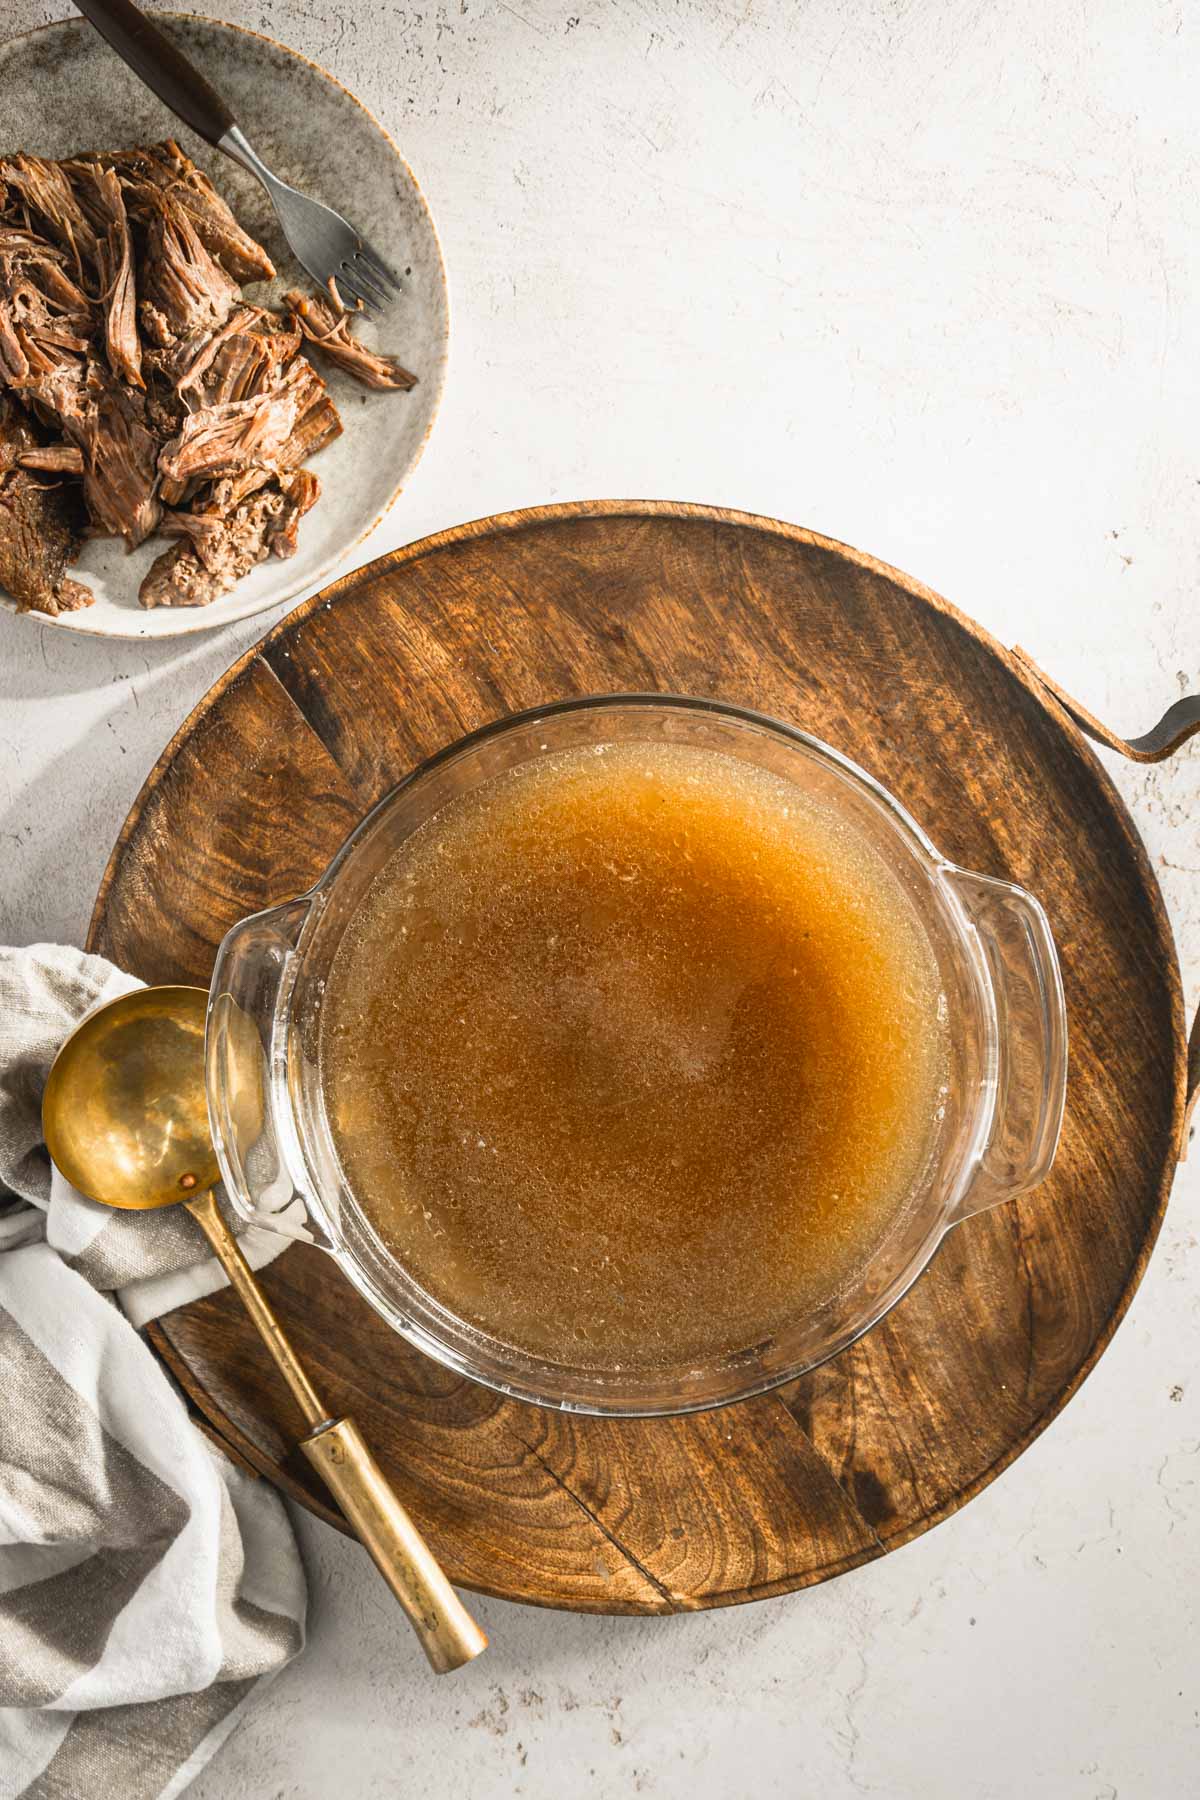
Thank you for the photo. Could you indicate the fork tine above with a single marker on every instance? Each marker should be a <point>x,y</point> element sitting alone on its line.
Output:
<point>354,303</point>
<point>377,266</point>
<point>348,287</point>
<point>368,280</point>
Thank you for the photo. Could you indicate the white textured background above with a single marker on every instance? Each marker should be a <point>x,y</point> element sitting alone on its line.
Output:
<point>925,275</point>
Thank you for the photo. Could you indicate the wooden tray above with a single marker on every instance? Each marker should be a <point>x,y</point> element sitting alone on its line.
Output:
<point>274,767</point>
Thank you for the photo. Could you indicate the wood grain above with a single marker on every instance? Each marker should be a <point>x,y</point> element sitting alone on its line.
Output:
<point>344,697</point>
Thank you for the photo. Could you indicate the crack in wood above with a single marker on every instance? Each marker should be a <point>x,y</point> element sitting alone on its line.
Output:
<point>673,1603</point>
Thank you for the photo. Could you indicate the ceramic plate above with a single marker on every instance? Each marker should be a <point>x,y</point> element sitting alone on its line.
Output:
<point>66,91</point>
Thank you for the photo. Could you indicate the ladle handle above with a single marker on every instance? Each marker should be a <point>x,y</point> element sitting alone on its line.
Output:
<point>203,1208</point>
<point>448,1634</point>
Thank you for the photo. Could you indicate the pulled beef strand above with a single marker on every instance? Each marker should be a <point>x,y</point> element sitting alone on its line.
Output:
<point>329,332</point>
<point>118,293</point>
<point>41,526</point>
<point>17,437</point>
<point>47,198</point>
<point>318,422</point>
<point>214,553</point>
<point>231,436</point>
<point>47,324</point>
<point>54,459</point>
<point>41,530</point>
<point>166,166</point>
<point>120,460</point>
<point>184,288</point>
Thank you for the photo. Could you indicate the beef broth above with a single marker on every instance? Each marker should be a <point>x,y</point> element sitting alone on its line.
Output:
<point>634,1055</point>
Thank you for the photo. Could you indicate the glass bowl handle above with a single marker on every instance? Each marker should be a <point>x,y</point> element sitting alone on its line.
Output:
<point>248,1109</point>
<point>1031,1017</point>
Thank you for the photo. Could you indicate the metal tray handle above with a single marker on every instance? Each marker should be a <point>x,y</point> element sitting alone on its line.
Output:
<point>1180,722</point>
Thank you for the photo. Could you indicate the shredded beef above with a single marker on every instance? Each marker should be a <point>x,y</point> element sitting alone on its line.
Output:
<point>17,436</point>
<point>47,324</point>
<point>184,289</point>
<point>49,203</point>
<point>214,553</point>
<point>166,166</point>
<point>114,268</point>
<point>41,526</point>
<point>231,436</point>
<point>120,456</point>
<point>139,391</point>
<point>54,459</point>
<point>329,332</point>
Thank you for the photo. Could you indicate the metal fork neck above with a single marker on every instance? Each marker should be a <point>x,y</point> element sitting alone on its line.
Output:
<point>236,145</point>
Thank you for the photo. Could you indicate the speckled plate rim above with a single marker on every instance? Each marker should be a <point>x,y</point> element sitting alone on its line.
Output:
<point>192,620</point>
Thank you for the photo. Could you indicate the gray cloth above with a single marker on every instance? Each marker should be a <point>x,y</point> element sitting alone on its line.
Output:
<point>146,1585</point>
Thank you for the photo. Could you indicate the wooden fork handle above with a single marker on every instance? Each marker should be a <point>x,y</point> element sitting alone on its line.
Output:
<point>165,70</point>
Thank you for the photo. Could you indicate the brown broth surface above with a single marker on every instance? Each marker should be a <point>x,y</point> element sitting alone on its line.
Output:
<point>633,1055</point>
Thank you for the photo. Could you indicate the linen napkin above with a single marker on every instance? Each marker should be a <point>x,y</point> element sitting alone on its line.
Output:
<point>147,1586</point>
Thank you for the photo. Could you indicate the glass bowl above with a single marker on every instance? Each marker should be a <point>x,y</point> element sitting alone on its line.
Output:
<point>995,1137</point>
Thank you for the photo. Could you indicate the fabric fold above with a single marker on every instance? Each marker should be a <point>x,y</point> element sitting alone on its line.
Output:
<point>147,1586</point>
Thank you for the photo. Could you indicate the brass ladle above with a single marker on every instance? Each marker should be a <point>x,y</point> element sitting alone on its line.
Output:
<point>125,1119</point>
